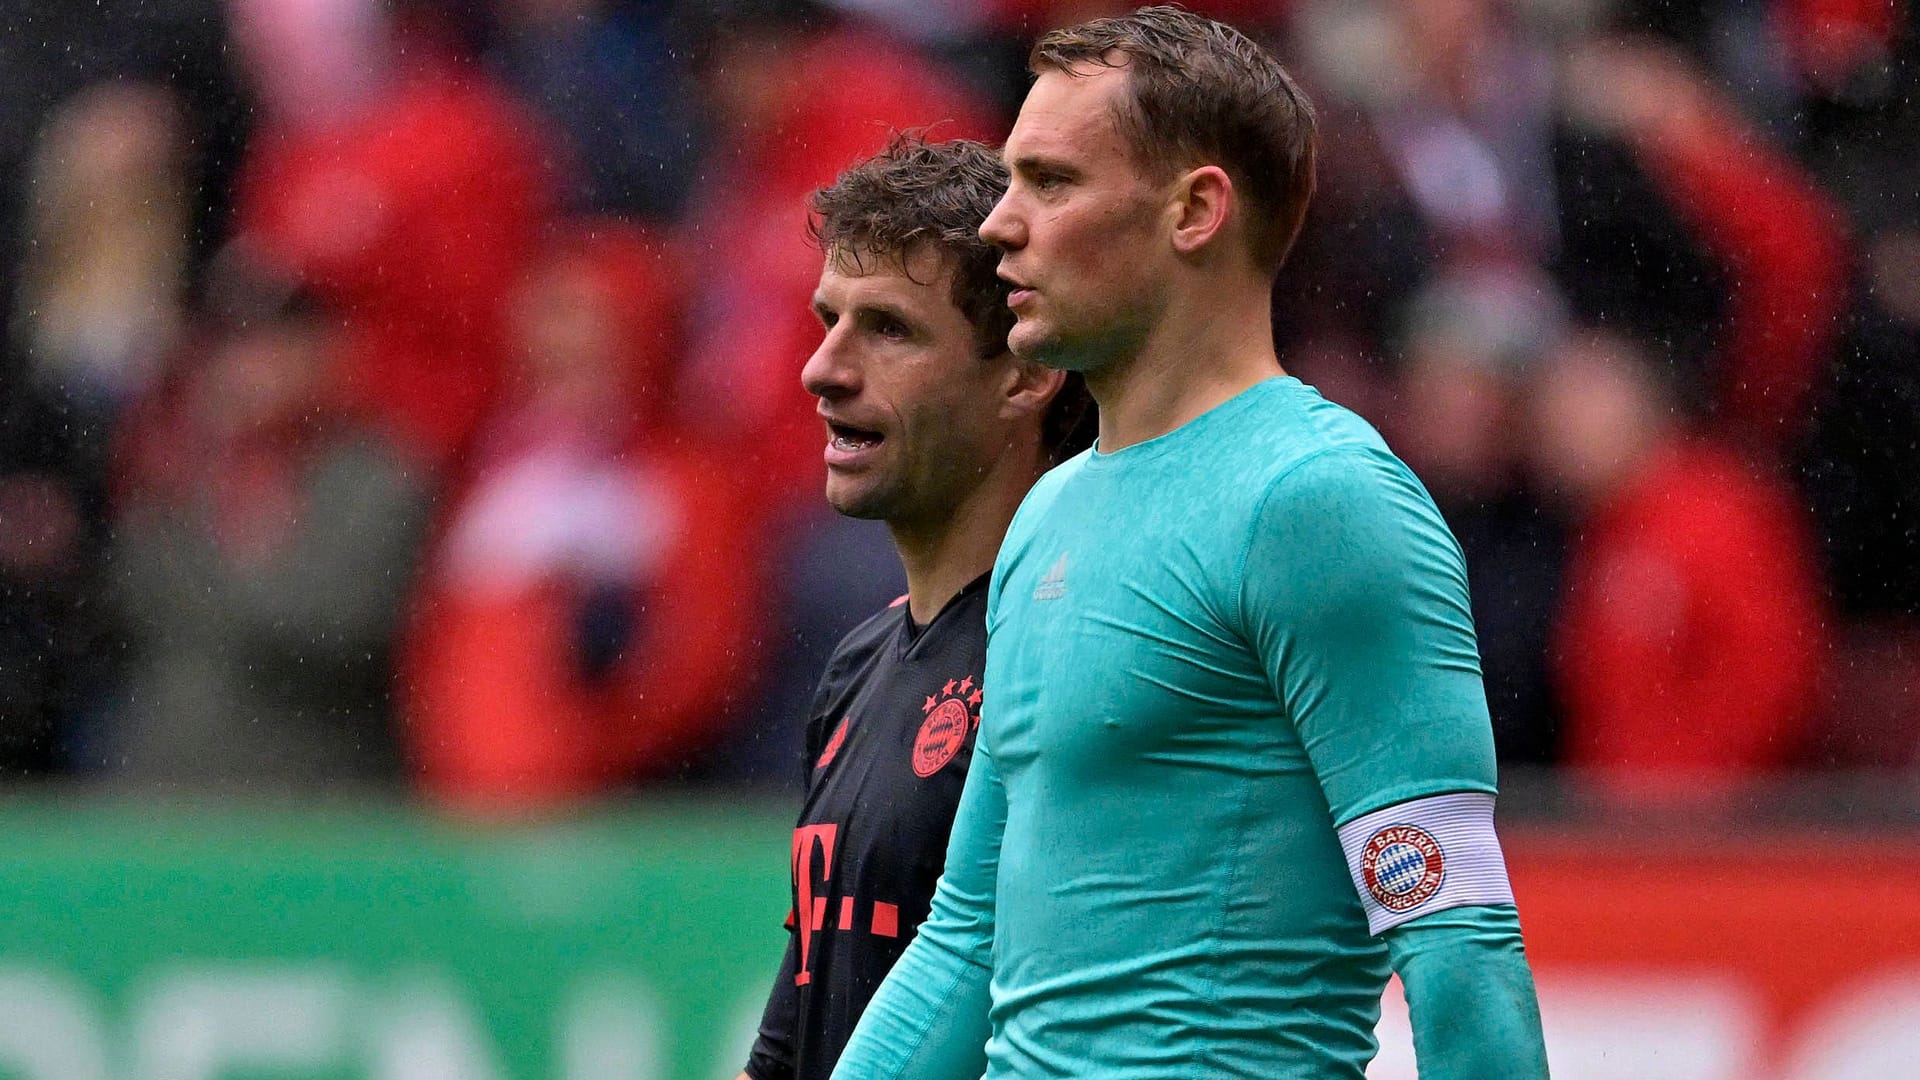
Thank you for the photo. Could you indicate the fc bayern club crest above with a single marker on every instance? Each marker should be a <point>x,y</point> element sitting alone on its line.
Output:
<point>1403,866</point>
<point>951,714</point>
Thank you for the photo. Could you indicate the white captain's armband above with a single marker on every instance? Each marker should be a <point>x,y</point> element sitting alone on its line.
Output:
<point>1415,858</point>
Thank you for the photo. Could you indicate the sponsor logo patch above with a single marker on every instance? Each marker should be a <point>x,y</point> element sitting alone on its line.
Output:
<point>1403,866</point>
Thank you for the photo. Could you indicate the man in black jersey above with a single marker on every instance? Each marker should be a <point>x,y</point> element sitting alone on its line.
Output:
<point>936,429</point>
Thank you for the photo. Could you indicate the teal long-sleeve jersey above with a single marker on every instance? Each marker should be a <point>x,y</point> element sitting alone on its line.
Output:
<point>1234,745</point>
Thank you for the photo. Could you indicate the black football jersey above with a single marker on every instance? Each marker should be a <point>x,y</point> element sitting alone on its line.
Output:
<point>889,739</point>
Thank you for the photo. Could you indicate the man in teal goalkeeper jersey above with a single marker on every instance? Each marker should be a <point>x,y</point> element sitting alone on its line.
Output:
<point>1234,762</point>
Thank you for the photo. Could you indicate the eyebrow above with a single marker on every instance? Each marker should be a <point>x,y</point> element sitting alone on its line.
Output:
<point>821,309</point>
<point>887,310</point>
<point>1032,163</point>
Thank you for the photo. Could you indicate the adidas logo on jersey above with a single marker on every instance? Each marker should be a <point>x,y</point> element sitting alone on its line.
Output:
<point>1054,585</point>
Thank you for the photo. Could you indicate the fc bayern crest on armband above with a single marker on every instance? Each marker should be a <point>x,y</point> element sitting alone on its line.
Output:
<point>1403,866</point>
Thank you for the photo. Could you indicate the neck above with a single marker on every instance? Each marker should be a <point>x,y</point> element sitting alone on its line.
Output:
<point>959,544</point>
<point>1211,346</point>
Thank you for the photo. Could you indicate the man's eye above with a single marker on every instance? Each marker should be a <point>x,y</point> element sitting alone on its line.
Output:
<point>891,329</point>
<point>1048,182</point>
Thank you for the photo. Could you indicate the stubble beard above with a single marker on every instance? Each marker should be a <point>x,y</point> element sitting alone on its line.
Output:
<point>1085,353</point>
<point>868,498</point>
<point>1049,349</point>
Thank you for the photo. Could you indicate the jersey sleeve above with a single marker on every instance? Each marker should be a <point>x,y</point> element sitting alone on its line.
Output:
<point>928,1021</point>
<point>1470,995</point>
<point>772,1055</point>
<point>1354,593</point>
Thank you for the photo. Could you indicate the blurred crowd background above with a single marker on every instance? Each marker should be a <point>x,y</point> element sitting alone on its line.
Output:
<point>402,396</point>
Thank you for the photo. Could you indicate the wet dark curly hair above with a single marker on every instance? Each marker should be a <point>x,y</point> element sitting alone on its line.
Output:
<point>919,194</point>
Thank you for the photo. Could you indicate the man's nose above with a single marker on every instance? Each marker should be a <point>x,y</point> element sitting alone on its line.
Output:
<point>1002,228</point>
<point>830,373</point>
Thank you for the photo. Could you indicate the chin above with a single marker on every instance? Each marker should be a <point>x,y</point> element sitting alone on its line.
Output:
<point>857,501</point>
<point>1049,351</point>
<point>1035,345</point>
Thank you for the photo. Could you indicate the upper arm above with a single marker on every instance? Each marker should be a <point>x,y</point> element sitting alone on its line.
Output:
<point>1354,593</point>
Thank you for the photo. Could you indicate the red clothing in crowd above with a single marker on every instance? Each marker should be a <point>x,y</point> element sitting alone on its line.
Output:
<point>1690,638</point>
<point>590,610</point>
<point>753,324</point>
<point>413,217</point>
<point>504,709</point>
<point>1784,250</point>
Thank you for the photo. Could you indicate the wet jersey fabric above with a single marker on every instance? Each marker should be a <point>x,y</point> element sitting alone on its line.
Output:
<point>1207,652</point>
<point>889,738</point>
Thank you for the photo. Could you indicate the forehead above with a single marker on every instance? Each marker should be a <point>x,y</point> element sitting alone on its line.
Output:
<point>919,277</point>
<point>1070,113</point>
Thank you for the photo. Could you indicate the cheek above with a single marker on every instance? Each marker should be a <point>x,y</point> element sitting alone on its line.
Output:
<point>946,426</point>
<point>1105,246</point>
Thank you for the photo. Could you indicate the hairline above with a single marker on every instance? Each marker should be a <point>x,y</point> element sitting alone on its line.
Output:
<point>1124,109</point>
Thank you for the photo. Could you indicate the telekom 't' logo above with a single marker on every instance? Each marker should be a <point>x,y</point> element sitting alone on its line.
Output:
<point>808,917</point>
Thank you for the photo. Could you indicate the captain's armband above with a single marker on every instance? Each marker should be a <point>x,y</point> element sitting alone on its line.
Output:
<point>1425,855</point>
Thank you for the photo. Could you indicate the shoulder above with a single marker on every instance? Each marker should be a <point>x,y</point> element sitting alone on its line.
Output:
<point>1349,531</point>
<point>1298,468</point>
<point>851,658</point>
<point>1349,482</point>
<point>1046,491</point>
<point>1293,431</point>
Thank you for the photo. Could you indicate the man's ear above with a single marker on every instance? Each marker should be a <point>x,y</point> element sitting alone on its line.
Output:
<point>1202,202</point>
<point>1028,388</point>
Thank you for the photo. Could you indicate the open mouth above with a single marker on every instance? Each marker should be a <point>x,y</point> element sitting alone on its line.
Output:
<point>852,440</point>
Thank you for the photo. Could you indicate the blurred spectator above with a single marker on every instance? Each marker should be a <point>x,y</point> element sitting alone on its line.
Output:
<point>55,51</point>
<point>608,75</point>
<point>1690,641</point>
<point>100,301</point>
<point>1436,120</point>
<point>1860,67</point>
<point>406,188</point>
<point>54,650</point>
<point>1861,104</point>
<point>1862,477</point>
<point>97,311</point>
<point>589,617</point>
<point>1457,99</point>
<point>1777,241</point>
<point>261,552</point>
<point>1471,338</point>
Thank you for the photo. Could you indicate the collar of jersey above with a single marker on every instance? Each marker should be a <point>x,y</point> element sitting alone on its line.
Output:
<point>1161,445</point>
<point>910,633</point>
